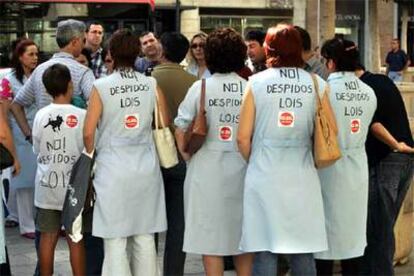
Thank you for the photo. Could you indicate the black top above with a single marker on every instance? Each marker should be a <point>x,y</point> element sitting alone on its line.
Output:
<point>390,113</point>
<point>396,61</point>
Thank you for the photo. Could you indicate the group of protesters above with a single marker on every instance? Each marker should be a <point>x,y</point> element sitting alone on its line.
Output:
<point>252,191</point>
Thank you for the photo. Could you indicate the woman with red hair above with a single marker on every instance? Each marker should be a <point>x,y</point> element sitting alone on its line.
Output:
<point>275,137</point>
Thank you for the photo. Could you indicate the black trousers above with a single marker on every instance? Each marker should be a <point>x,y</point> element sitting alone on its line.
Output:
<point>350,267</point>
<point>388,185</point>
<point>174,257</point>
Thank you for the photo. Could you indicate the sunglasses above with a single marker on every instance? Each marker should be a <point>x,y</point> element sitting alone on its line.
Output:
<point>197,45</point>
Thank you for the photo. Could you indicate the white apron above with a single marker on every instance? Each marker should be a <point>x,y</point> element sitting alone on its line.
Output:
<point>128,182</point>
<point>213,187</point>
<point>345,184</point>
<point>283,209</point>
<point>26,177</point>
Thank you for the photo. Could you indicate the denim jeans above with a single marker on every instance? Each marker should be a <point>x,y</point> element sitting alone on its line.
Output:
<point>395,76</point>
<point>265,263</point>
<point>174,257</point>
<point>388,184</point>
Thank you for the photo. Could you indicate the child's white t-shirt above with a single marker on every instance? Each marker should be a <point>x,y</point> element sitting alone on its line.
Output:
<point>58,142</point>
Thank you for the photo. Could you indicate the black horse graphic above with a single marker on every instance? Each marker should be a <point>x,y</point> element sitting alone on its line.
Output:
<point>55,123</point>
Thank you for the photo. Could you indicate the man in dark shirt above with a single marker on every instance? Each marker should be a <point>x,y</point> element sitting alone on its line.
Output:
<point>151,48</point>
<point>390,158</point>
<point>397,61</point>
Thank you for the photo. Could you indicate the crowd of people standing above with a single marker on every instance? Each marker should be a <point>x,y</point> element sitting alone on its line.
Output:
<point>251,191</point>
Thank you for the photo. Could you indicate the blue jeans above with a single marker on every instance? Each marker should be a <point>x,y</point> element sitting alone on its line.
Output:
<point>388,184</point>
<point>174,257</point>
<point>265,263</point>
<point>395,76</point>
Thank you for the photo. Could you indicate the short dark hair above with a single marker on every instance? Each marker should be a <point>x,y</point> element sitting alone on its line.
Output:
<point>93,22</point>
<point>306,40</point>
<point>344,54</point>
<point>144,33</point>
<point>225,51</point>
<point>124,48</point>
<point>56,79</point>
<point>174,46</point>
<point>257,35</point>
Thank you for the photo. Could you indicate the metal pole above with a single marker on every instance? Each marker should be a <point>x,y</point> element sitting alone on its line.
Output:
<point>178,16</point>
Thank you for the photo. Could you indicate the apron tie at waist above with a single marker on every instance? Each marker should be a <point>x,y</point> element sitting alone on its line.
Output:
<point>352,151</point>
<point>286,143</point>
<point>135,141</point>
<point>221,146</point>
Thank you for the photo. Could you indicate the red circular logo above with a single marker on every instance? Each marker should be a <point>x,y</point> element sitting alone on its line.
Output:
<point>286,119</point>
<point>71,121</point>
<point>225,133</point>
<point>355,126</point>
<point>131,121</point>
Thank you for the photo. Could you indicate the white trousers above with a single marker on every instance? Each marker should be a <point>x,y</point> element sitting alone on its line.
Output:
<point>131,256</point>
<point>20,206</point>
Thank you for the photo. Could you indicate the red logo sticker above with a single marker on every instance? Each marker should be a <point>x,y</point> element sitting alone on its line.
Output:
<point>72,121</point>
<point>226,133</point>
<point>131,121</point>
<point>286,119</point>
<point>355,126</point>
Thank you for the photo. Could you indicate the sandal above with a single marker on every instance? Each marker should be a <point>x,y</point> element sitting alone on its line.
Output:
<point>10,223</point>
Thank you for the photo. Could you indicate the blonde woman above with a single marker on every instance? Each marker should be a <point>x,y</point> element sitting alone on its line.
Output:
<point>197,65</point>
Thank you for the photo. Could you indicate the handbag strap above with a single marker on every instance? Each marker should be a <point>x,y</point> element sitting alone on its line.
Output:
<point>158,113</point>
<point>203,96</point>
<point>316,85</point>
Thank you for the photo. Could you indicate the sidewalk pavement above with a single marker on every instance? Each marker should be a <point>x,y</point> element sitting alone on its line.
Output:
<point>23,258</point>
<point>22,255</point>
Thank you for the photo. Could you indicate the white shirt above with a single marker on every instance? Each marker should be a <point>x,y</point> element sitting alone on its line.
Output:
<point>58,142</point>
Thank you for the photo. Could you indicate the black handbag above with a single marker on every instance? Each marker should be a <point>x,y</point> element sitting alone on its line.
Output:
<point>6,159</point>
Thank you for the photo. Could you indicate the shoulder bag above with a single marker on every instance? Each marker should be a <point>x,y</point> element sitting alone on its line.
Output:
<point>197,131</point>
<point>326,149</point>
<point>164,141</point>
<point>6,158</point>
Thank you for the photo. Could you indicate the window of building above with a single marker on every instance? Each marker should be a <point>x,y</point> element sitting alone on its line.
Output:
<point>242,24</point>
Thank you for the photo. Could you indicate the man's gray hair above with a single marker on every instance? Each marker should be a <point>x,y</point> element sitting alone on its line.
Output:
<point>68,30</point>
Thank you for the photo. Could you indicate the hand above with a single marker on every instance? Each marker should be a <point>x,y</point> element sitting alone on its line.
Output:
<point>29,139</point>
<point>17,167</point>
<point>185,156</point>
<point>404,148</point>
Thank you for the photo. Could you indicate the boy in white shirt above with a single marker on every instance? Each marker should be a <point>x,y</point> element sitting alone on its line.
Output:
<point>57,139</point>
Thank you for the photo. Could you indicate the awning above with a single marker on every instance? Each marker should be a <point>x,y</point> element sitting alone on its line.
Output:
<point>149,2</point>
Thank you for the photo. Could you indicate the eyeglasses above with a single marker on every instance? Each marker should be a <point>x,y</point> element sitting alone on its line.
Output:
<point>197,45</point>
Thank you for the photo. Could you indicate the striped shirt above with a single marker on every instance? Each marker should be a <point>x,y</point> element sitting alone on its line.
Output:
<point>34,91</point>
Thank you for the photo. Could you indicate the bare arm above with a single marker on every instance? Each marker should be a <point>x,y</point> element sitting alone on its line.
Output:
<point>382,134</point>
<point>18,113</point>
<point>180,138</point>
<point>6,138</point>
<point>246,124</point>
<point>91,120</point>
